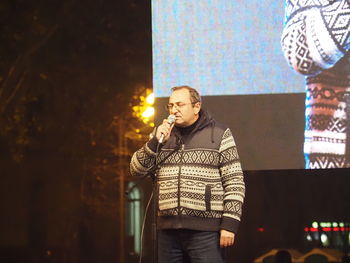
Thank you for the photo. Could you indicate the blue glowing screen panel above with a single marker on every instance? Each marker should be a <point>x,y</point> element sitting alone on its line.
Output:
<point>220,47</point>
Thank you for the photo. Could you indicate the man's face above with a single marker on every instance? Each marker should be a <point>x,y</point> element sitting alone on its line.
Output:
<point>185,112</point>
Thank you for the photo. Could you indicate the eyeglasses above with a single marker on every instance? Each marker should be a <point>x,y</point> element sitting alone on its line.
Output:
<point>177,105</point>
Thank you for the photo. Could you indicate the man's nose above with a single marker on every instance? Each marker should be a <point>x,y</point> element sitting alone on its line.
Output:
<point>173,110</point>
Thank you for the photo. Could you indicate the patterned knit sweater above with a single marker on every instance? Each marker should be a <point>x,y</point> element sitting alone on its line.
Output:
<point>200,180</point>
<point>316,43</point>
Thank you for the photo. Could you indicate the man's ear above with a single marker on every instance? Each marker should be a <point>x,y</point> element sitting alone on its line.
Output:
<point>197,107</point>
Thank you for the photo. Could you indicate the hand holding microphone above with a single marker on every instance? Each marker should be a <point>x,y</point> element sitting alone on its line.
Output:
<point>164,130</point>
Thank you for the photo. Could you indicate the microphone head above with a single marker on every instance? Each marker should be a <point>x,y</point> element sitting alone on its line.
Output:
<point>171,119</point>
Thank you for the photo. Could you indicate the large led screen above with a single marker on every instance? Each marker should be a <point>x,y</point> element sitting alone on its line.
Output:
<point>231,52</point>
<point>222,47</point>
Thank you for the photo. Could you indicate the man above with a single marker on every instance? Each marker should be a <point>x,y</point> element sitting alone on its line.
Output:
<point>316,43</point>
<point>200,182</point>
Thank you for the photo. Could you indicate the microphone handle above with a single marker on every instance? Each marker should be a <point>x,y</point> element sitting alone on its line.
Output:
<point>161,139</point>
<point>171,120</point>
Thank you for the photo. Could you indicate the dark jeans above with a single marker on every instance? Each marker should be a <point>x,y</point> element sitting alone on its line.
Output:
<point>183,245</point>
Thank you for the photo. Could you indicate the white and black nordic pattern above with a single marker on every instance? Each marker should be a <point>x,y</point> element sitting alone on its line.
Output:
<point>316,42</point>
<point>316,34</point>
<point>142,161</point>
<point>293,6</point>
<point>233,207</point>
<point>203,156</point>
<point>326,121</point>
<point>190,212</point>
<point>323,122</point>
<point>323,161</point>
<point>197,182</point>
<point>336,17</point>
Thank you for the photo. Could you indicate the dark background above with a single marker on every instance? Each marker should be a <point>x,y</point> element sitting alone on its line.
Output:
<point>268,128</point>
<point>69,73</point>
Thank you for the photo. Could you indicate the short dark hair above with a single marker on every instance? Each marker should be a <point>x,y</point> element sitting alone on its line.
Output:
<point>194,95</point>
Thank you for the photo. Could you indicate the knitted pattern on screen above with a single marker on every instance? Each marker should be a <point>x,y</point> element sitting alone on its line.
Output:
<point>316,43</point>
<point>316,34</point>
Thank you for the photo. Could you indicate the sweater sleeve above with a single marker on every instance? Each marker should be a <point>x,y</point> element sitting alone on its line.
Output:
<point>233,183</point>
<point>144,159</point>
<point>316,34</point>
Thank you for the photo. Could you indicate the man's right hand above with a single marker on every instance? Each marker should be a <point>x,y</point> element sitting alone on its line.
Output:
<point>165,129</point>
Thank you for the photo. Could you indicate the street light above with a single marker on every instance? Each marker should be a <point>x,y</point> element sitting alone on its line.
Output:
<point>145,110</point>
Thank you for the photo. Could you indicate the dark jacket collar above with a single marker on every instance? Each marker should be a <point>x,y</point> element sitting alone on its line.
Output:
<point>204,120</point>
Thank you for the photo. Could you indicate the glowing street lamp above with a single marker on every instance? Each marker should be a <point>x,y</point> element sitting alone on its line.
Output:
<point>145,110</point>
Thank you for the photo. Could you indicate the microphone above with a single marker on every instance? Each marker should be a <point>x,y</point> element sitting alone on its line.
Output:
<point>171,119</point>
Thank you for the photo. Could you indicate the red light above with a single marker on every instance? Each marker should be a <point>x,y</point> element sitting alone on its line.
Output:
<point>261,229</point>
<point>326,229</point>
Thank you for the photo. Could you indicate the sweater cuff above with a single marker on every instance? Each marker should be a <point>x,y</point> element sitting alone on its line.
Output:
<point>153,143</point>
<point>229,224</point>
